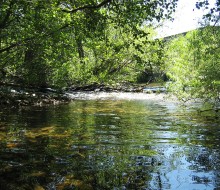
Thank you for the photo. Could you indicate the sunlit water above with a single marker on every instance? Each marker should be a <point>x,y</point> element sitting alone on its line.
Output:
<point>110,141</point>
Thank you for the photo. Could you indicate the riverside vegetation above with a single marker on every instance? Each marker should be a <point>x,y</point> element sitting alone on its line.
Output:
<point>59,44</point>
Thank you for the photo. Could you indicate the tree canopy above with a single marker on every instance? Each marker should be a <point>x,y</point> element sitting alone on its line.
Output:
<point>46,41</point>
<point>192,60</point>
<point>193,64</point>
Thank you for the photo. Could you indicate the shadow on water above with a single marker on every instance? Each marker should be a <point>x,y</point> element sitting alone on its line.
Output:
<point>109,144</point>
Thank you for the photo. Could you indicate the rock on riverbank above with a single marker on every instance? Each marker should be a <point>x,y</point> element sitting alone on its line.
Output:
<point>14,96</point>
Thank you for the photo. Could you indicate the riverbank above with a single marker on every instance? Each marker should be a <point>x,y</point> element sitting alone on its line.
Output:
<point>13,97</point>
<point>16,96</point>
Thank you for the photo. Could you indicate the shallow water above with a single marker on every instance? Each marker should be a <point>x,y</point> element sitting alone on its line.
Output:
<point>110,141</point>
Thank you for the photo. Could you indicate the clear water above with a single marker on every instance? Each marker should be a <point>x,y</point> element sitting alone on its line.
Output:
<point>110,141</point>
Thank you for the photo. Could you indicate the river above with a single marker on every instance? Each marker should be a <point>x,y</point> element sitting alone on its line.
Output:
<point>110,141</point>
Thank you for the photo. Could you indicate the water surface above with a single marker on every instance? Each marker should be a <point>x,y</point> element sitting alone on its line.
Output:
<point>110,141</point>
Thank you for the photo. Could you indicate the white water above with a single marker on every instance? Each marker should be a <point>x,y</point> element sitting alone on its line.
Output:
<point>116,96</point>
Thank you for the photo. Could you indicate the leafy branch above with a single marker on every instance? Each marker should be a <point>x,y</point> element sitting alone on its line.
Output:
<point>22,42</point>
<point>88,7</point>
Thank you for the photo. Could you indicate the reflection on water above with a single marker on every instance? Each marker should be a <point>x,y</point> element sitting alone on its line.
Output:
<point>109,144</point>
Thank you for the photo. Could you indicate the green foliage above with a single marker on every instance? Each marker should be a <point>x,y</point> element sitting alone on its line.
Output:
<point>122,56</point>
<point>193,64</point>
<point>64,42</point>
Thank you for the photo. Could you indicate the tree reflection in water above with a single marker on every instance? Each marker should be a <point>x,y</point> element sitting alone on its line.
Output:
<point>105,144</point>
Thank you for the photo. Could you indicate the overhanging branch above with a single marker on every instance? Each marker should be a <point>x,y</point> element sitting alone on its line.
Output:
<point>8,48</point>
<point>88,7</point>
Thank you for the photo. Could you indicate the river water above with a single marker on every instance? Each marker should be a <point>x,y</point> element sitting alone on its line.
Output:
<point>110,141</point>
